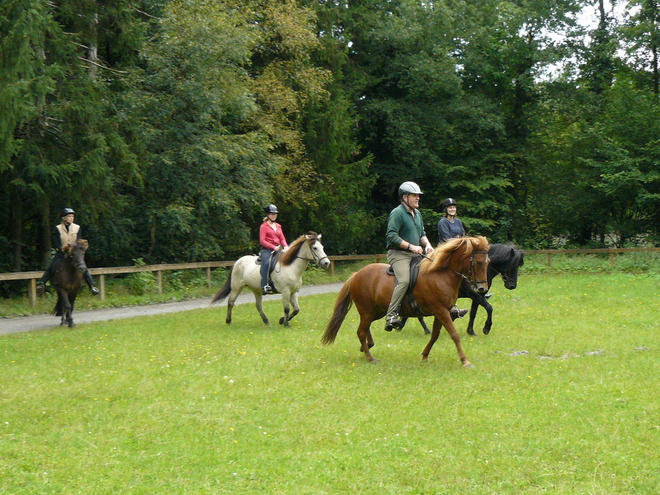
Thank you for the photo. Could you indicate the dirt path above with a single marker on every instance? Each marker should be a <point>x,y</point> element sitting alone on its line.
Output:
<point>30,323</point>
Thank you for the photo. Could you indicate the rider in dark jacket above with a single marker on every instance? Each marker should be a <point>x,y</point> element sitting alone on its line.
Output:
<point>66,233</point>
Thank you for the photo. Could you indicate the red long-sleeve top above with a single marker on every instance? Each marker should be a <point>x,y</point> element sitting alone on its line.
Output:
<point>270,238</point>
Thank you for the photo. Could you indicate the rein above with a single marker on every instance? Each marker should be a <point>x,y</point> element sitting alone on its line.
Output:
<point>316,259</point>
<point>470,278</point>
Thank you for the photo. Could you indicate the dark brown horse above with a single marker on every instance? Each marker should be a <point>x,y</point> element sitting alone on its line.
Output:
<point>67,280</point>
<point>436,292</point>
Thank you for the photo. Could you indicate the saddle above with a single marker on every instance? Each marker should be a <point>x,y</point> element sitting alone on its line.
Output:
<point>414,274</point>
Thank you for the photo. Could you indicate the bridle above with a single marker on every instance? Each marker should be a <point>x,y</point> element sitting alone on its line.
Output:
<point>316,258</point>
<point>78,265</point>
<point>471,278</point>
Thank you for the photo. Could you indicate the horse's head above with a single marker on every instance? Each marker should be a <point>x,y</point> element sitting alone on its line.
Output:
<point>465,256</point>
<point>505,260</point>
<point>76,252</point>
<point>478,271</point>
<point>316,249</point>
<point>306,247</point>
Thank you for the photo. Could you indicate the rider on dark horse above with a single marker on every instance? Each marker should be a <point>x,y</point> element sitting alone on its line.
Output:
<point>271,239</point>
<point>66,233</point>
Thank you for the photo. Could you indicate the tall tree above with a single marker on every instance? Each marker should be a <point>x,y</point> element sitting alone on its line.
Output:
<point>63,142</point>
<point>207,159</point>
<point>642,33</point>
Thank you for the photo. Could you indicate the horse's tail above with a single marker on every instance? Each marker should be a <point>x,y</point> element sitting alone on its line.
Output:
<point>225,291</point>
<point>342,305</point>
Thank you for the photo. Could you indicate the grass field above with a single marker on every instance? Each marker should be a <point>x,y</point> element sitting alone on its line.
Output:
<point>562,400</point>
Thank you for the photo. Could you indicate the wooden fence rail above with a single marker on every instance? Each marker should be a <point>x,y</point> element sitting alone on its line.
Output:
<point>32,277</point>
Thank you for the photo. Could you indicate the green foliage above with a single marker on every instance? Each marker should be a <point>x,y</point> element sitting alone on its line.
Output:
<point>138,284</point>
<point>170,124</point>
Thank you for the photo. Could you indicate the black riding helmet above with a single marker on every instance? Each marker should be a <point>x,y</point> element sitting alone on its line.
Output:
<point>271,209</point>
<point>448,202</point>
<point>67,211</point>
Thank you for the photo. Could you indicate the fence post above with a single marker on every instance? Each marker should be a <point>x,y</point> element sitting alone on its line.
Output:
<point>159,281</point>
<point>208,276</point>
<point>612,259</point>
<point>32,290</point>
<point>102,286</point>
<point>549,260</point>
<point>332,267</point>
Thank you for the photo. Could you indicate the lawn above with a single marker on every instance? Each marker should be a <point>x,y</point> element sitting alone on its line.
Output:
<point>562,400</point>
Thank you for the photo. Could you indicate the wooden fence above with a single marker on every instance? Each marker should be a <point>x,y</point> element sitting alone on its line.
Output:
<point>32,277</point>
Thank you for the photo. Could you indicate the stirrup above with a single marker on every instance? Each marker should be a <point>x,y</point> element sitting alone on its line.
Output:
<point>266,289</point>
<point>457,313</point>
<point>94,290</point>
<point>393,322</point>
<point>41,288</point>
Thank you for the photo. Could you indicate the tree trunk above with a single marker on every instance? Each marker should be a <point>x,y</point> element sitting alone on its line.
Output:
<point>16,231</point>
<point>44,235</point>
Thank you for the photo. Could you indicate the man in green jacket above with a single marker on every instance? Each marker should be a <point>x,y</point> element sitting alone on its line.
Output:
<point>405,239</point>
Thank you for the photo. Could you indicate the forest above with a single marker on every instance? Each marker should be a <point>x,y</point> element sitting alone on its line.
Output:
<point>169,125</point>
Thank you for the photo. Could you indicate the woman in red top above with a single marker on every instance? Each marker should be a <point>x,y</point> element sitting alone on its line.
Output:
<point>272,239</point>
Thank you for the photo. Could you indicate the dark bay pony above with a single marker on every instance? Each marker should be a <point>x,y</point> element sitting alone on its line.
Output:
<point>505,259</point>
<point>67,280</point>
<point>436,292</point>
<point>286,276</point>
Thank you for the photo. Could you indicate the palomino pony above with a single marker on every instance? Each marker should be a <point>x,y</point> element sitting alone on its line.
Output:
<point>505,259</point>
<point>436,292</point>
<point>67,280</point>
<point>286,276</point>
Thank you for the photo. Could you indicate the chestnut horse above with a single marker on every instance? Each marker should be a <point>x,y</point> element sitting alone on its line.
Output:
<point>67,280</point>
<point>436,291</point>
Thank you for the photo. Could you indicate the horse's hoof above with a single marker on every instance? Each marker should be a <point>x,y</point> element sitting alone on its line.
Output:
<point>373,360</point>
<point>470,332</point>
<point>486,331</point>
<point>284,321</point>
<point>468,365</point>
<point>228,322</point>
<point>266,321</point>
<point>72,325</point>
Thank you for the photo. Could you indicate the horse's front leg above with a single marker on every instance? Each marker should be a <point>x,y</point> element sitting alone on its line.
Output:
<point>294,304</point>
<point>424,325</point>
<point>287,299</point>
<point>489,316</point>
<point>444,319</point>
<point>72,303</point>
<point>473,314</point>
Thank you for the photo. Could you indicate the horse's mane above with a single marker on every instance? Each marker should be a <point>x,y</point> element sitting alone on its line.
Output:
<point>500,252</point>
<point>291,254</point>
<point>81,243</point>
<point>439,258</point>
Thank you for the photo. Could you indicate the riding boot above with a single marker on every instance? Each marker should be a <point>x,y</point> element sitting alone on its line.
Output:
<point>393,321</point>
<point>90,281</point>
<point>41,286</point>
<point>457,313</point>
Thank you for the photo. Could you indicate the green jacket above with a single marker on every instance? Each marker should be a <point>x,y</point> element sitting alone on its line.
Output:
<point>401,226</point>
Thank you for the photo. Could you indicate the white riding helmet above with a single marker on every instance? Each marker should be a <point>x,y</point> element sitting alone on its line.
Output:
<point>409,187</point>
